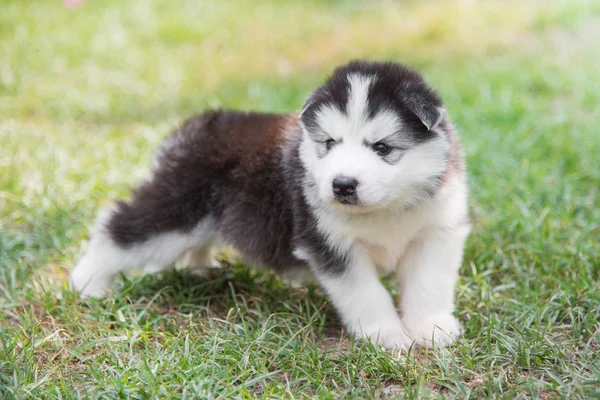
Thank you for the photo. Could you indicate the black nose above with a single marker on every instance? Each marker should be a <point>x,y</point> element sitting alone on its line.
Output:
<point>343,186</point>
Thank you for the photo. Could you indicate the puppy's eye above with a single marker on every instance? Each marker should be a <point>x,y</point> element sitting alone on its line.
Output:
<point>381,148</point>
<point>329,144</point>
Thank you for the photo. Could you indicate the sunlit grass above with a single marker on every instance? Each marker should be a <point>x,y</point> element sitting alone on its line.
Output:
<point>87,93</point>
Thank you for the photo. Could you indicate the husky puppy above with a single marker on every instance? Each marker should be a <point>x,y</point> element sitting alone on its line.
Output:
<point>367,179</point>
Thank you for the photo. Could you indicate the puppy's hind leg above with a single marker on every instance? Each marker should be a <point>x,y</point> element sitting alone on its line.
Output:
<point>150,232</point>
<point>106,256</point>
<point>102,261</point>
<point>199,258</point>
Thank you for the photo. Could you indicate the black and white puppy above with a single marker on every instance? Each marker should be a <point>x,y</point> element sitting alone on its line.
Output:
<point>368,179</point>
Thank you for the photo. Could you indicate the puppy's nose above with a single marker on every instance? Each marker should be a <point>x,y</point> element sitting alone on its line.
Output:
<point>343,186</point>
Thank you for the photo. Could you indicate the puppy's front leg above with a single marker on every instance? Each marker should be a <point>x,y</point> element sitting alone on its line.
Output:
<point>428,275</point>
<point>364,305</point>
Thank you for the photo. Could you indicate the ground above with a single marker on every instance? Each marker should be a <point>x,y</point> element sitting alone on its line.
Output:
<point>86,94</point>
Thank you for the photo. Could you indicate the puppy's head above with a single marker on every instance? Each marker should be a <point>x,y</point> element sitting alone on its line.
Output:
<point>372,138</point>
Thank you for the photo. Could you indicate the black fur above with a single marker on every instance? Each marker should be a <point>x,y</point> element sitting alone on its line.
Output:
<point>242,170</point>
<point>396,87</point>
<point>222,165</point>
<point>212,167</point>
<point>306,234</point>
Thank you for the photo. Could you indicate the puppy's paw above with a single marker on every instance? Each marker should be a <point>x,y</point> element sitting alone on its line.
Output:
<point>155,268</point>
<point>391,336</point>
<point>199,262</point>
<point>437,330</point>
<point>89,282</point>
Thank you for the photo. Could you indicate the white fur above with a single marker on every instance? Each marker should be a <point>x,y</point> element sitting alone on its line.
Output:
<point>394,229</point>
<point>428,273</point>
<point>380,184</point>
<point>96,270</point>
<point>364,305</point>
<point>199,259</point>
<point>424,246</point>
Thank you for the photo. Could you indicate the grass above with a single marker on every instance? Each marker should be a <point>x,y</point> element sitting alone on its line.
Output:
<point>87,93</point>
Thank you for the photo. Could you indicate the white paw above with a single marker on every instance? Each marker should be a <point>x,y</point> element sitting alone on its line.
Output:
<point>198,258</point>
<point>199,262</point>
<point>90,283</point>
<point>155,268</point>
<point>435,331</point>
<point>391,336</point>
<point>201,269</point>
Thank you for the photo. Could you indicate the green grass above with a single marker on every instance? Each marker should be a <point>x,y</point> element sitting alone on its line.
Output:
<point>86,94</point>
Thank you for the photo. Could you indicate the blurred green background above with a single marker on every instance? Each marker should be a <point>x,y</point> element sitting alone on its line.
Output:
<point>87,92</point>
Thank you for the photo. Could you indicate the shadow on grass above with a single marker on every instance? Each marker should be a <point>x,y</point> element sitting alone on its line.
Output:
<point>235,289</point>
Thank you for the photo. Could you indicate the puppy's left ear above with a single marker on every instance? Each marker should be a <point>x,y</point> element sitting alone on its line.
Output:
<point>311,99</point>
<point>306,104</point>
<point>429,114</point>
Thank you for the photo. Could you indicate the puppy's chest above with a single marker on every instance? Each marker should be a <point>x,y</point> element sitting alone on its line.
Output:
<point>385,259</point>
<point>386,248</point>
<point>384,237</point>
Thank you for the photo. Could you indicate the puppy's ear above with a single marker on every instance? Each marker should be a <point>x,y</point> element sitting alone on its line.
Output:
<point>429,114</point>
<point>307,119</point>
<point>306,104</point>
<point>312,98</point>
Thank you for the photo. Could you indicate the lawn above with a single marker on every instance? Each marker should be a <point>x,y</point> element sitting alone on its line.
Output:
<point>87,93</point>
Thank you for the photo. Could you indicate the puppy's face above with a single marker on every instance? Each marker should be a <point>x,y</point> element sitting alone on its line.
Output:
<point>372,138</point>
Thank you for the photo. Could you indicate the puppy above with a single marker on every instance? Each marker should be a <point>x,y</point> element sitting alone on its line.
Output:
<point>367,179</point>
